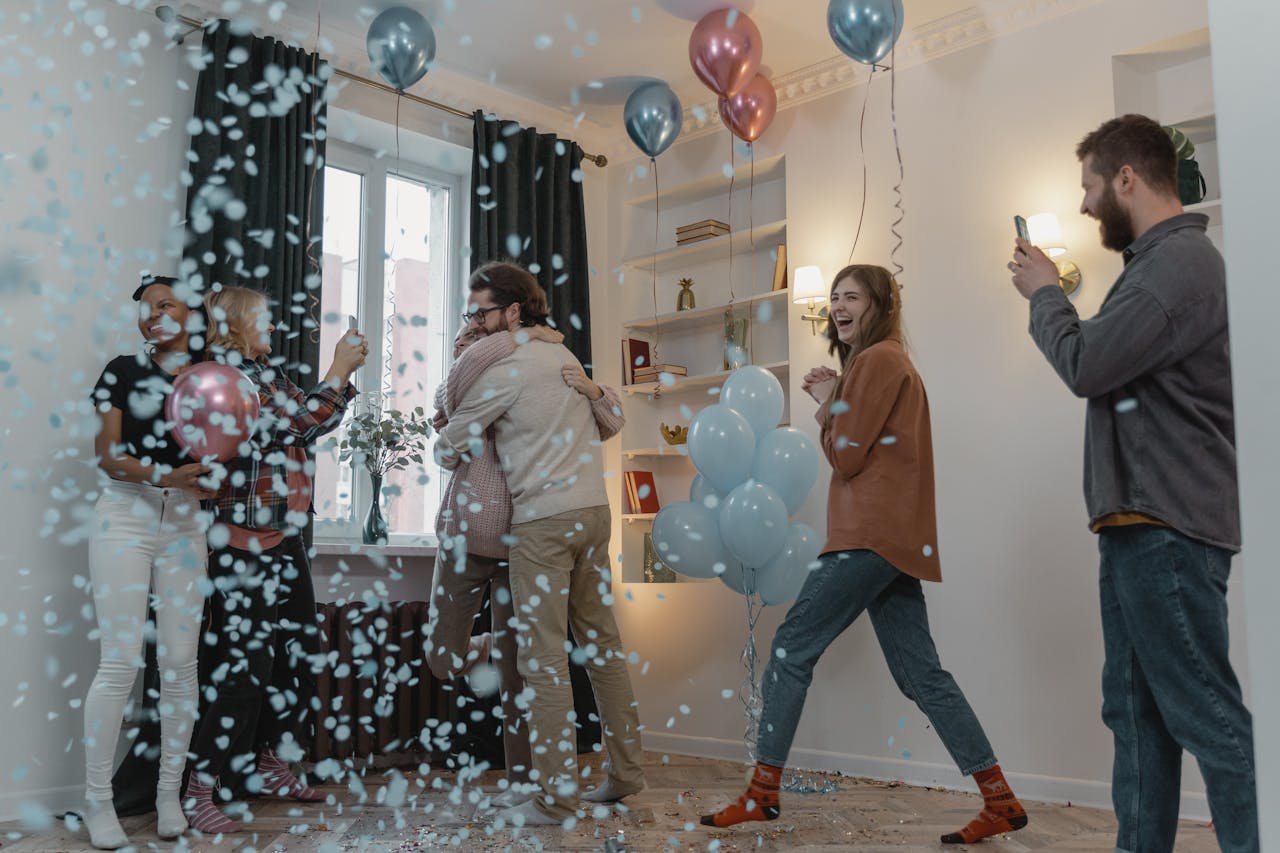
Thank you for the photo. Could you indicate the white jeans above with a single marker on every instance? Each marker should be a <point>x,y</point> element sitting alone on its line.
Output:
<point>148,539</point>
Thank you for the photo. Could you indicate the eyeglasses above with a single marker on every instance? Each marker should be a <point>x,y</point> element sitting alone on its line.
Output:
<point>478,314</point>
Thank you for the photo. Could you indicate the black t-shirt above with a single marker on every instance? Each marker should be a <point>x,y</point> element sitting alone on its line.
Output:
<point>137,386</point>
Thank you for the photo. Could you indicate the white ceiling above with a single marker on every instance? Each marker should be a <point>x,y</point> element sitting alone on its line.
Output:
<point>577,56</point>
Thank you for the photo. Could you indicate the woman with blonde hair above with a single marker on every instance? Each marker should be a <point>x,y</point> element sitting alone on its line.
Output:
<point>263,678</point>
<point>881,543</point>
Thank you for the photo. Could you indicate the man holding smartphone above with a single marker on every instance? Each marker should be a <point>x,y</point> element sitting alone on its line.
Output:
<point>1160,484</point>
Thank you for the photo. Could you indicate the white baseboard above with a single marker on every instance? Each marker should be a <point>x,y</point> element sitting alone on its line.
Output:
<point>1030,786</point>
<point>56,800</point>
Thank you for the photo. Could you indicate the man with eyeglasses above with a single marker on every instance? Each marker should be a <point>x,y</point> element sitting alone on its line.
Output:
<point>549,444</point>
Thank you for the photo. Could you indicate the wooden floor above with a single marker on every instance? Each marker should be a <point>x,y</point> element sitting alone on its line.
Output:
<point>863,815</point>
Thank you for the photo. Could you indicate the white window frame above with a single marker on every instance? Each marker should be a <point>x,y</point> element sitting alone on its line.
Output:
<point>375,168</point>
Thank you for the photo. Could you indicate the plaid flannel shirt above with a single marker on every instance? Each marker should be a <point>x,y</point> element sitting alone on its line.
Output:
<point>255,493</point>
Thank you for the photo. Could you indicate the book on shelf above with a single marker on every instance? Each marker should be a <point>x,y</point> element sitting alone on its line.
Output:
<point>705,223</point>
<point>640,493</point>
<point>780,268</point>
<point>635,355</point>
<point>698,236</point>
<point>650,373</point>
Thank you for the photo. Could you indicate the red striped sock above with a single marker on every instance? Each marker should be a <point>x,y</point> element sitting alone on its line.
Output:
<point>760,802</point>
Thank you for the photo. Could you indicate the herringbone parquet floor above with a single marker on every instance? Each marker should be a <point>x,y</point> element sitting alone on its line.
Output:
<point>863,815</point>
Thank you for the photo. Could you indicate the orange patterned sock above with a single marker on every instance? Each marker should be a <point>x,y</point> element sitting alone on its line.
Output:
<point>760,802</point>
<point>1001,810</point>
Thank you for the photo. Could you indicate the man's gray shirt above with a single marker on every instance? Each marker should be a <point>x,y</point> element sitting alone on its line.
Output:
<point>1155,365</point>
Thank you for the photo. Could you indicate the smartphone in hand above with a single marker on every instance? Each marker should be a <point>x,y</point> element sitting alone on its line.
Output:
<point>1021,225</point>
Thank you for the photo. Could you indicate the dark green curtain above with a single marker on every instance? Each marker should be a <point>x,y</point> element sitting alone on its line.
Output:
<point>526,206</point>
<point>255,200</point>
<point>255,203</point>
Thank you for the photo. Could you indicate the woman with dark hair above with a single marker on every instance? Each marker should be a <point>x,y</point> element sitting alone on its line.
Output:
<point>881,543</point>
<point>150,539</point>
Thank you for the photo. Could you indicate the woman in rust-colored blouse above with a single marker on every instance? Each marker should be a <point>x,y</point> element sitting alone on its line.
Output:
<point>881,543</point>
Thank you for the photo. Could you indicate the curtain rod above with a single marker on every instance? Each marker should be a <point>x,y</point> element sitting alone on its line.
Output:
<point>599,159</point>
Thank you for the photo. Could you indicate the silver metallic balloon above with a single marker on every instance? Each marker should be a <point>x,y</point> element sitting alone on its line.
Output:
<point>653,117</point>
<point>865,30</point>
<point>401,46</point>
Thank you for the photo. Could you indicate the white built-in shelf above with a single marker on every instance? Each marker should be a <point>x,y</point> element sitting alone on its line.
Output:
<point>709,380</point>
<point>631,518</point>
<point>762,237</point>
<point>697,190</point>
<point>709,316</point>
<point>678,450</point>
<point>1211,208</point>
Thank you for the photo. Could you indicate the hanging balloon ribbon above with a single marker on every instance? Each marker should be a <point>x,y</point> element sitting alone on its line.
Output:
<point>750,112</point>
<point>401,46</point>
<point>653,117</point>
<point>725,50</point>
<point>865,30</point>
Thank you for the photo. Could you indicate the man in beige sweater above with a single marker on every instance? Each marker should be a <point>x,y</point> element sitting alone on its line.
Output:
<point>549,445</point>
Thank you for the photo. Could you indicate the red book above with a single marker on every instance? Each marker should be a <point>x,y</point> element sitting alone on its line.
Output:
<point>635,353</point>
<point>641,492</point>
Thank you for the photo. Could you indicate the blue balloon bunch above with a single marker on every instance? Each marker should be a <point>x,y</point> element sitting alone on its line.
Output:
<point>752,476</point>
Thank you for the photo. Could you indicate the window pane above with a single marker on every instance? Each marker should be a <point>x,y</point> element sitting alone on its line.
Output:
<point>340,298</point>
<point>414,333</point>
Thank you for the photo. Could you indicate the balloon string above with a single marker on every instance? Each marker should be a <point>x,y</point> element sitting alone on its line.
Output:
<point>862,145</point>
<point>751,232</point>
<point>657,330</point>
<point>733,173</point>
<point>897,147</point>
<point>389,278</point>
<point>749,691</point>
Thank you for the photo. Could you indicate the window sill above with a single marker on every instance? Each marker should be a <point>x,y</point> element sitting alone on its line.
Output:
<point>343,548</point>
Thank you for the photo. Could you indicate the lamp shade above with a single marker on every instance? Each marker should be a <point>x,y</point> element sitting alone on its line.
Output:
<point>809,285</point>
<point>1046,232</point>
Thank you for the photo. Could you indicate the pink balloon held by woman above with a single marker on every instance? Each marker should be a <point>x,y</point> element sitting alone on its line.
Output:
<point>213,408</point>
<point>725,49</point>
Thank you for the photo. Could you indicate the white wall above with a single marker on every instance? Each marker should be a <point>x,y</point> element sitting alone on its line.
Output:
<point>95,143</point>
<point>986,133</point>
<point>1249,182</point>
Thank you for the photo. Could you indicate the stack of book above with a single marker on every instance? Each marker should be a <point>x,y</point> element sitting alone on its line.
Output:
<point>650,373</point>
<point>704,230</point>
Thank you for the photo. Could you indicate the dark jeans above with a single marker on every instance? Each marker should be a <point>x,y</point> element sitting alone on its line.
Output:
<point>833,596</point>
<point>1168,685</point>
<point>265,645</point>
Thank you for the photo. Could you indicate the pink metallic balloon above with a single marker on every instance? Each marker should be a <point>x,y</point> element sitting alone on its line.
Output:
<point>213,408</point>
<point>750,112</point>
<point>725,50</point>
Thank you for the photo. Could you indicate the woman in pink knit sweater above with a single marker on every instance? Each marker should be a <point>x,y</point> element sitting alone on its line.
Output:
<point>474,529</point>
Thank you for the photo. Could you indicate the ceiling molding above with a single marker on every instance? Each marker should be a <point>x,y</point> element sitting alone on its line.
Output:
<point>950,34</point>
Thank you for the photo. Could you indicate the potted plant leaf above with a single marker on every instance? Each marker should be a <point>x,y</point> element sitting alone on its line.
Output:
<point>1191,185</point>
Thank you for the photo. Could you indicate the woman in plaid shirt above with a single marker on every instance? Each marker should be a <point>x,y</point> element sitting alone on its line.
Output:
<point>268,638</point>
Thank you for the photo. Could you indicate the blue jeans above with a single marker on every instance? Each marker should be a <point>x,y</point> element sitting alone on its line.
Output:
<point>833,596</point>
<point>1167,685</point>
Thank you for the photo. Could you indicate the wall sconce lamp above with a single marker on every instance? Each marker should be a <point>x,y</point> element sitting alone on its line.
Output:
<point>1046,232</point>
<point>810,289</point>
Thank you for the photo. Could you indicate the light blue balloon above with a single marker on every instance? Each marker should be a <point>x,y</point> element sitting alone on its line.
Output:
<point>739,578</point>
<point>753,523</point>
<point>653,117</point>
<point>702,492</point>
<point>780,581</point>
<point>787,461</point>
<point>757,395</point>
<point>865,30</point>
<point>401,46</point>
<point>687,537</point>
<point>722,446</point>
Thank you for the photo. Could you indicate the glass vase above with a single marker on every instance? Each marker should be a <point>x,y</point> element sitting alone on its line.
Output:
<point>375,526</point>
